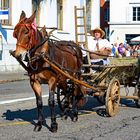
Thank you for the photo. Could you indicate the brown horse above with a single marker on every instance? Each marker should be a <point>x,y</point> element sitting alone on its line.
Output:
<point>31,44</point>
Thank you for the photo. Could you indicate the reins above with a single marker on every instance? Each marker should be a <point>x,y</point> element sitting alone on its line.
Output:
<point>42,55</point>
<point>97,53</point>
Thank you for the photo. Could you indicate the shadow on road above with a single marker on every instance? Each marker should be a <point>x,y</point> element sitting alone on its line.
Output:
<point>30,115</point>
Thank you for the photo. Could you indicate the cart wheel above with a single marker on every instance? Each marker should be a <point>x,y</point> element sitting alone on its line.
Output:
<point>138,85</point>
<point>137,102</point>
<point>137,93</point>
<point>60,99</point>
<point>63,99</point>
<point>113,97</point>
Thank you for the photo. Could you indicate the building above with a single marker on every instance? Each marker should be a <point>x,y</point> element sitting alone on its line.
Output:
<point>124,21</point>
<point>104,16</point>
<point>51,13</point>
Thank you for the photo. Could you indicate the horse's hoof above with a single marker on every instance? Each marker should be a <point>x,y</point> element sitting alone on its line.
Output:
<point>64,117</point>
<point>75,119</point>
<point>39,124</point>
<point>54,127</point>
<point>44,122</point>
<point>74,116</point>
<point>37,128</point>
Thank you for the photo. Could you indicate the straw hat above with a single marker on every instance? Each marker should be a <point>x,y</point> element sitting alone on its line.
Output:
<point>98,30</point>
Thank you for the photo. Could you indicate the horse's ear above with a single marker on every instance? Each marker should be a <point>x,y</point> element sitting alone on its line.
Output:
<point>44,28</point>
<point>23,15</point>
<point>32,17</point>
<point>43,31</point>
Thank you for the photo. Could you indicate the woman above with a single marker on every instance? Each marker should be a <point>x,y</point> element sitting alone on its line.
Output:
<point>100,46</point>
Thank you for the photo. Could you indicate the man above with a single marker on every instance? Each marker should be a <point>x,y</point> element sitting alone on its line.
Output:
<point>101,48</point>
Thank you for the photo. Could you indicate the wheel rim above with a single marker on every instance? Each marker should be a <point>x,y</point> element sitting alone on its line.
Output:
<point>138,101</point>
<point>60,99</point>
<point>113,97</point>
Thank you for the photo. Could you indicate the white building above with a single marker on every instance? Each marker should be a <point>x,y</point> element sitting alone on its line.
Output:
<point>51,13</point>
<point>124,20</point>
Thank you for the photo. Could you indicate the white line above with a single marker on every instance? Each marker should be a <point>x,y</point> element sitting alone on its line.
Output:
<point>19,100</point>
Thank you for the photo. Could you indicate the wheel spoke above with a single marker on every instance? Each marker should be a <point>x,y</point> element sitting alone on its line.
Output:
<point>113,97</point>
<point>62,99</point>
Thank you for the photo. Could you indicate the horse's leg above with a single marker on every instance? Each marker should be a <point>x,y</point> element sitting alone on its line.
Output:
<point>75,99</point>
<point>37,89</point>
<point>51,102</point>
<point>66,106</point>
<point>74,112</point>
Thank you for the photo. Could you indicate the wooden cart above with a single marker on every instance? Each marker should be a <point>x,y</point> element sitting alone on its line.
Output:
<point>105,84</point>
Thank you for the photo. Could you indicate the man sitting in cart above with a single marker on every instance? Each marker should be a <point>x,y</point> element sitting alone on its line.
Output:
<point>100,48</point>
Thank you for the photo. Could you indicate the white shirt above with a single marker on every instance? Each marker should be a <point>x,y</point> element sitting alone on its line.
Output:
<point>101,43</point>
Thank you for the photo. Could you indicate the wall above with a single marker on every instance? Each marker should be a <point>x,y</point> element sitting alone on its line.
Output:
<point>8,63</point>
<point>118,11</point>
<point>121,20</point>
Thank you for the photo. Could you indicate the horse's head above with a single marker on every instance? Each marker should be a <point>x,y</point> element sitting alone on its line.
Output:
<point>25,33</point>
<point>43,32</point>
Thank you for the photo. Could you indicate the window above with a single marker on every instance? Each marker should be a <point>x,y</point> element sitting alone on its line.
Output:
<point>60,14</point>
<point>128,37</point>
<point>4,5</point>
<point>136,13</point>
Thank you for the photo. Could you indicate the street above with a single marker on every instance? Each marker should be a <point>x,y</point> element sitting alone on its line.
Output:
<point>19,114</point>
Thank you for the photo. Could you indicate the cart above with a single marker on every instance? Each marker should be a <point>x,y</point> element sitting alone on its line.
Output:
<point>105,84</point>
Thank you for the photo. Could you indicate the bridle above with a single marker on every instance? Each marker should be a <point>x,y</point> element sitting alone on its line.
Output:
<point>25,46</point>
<point>32,35</point>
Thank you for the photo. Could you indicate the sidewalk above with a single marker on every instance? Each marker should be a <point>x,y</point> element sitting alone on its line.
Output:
<point>12,76</point>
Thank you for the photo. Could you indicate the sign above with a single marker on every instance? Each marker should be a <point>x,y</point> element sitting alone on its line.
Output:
<point>4,32</point>
<point>4,14</point>
<point>1,47</point>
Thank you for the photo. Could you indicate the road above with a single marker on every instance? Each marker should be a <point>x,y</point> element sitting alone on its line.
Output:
<point>18,116</point>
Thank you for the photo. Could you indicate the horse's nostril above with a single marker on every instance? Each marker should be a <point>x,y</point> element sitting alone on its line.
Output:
<point>12,52</point>
<point>20,56</point>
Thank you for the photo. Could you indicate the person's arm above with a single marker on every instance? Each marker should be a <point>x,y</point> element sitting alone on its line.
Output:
<point>95,55</point>
<point>106,50</point>
<point>100,54</point>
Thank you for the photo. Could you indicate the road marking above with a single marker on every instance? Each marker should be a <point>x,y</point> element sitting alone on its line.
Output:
<point>87,113</point>
<point>19,100</point>
<point>14,123</point>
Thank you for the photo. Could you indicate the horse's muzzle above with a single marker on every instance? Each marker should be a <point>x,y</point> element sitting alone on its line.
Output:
<point>22,57</point>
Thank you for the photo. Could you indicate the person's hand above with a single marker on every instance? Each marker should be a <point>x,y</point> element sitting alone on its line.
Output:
<point>102,49</point>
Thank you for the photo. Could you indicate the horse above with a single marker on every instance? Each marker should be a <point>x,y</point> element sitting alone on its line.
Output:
<point>30,45</point>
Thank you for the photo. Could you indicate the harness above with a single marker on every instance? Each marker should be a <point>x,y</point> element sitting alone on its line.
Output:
<point>31,48</point>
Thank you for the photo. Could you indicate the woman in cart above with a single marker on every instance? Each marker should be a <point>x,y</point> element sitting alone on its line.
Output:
<point>100,47</point>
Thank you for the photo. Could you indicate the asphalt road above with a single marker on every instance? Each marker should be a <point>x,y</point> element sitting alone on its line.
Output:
<point>18,115</point>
